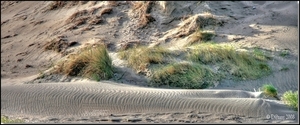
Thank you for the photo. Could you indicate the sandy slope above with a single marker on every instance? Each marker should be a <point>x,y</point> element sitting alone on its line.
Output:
<point>27,26</point>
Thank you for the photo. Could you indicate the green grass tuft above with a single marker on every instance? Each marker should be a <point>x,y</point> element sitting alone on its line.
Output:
<point>209,63</point>
<point>241,64</point>
<point>260,55</point>
<point>140,58</point>
<point>269,90</point>
<point>291,99</point>
<point>92,62</point>
<point>184,75</point>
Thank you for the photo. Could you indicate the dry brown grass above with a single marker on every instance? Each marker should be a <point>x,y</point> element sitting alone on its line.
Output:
<point>72,67</point>
<point>190,25</point>
<point>96,20</point>
<point>195,37</point>
<point>57,4</point>
<point>145,19</point>
<point>142,9</point>
<point>106,10</point>
<point>207,19</point>
<point>76,15</point>
<point>80,21</point>
<point>59,44</point>
<point>186,27</point>
<point>199,36</point>
<point>56,44</point>
<point>60,4</point>
<point>131,44</point>
<point>84,16</point>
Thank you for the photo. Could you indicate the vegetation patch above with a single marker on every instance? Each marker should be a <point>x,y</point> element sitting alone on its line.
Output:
<point>241,64</point>
<point>269,90</point>
<point>184,75</point>
<point>291,99</point>
<point>208,63</point>
<point>5,119</point>
<point>140,58</point>
<point>260,55</point>
<point>92,62</point>
<point>199,36</point>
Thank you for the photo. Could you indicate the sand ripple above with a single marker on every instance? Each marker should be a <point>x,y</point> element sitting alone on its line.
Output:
<point>86,99</point>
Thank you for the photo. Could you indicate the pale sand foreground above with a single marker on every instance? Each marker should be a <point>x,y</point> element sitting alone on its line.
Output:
<point>105,98</point>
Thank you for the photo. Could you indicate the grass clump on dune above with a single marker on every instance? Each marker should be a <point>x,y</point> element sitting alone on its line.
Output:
<point>184,75</point>
<point>5,119</point>
<point>260,55</point>
<point>92,62</point>
<point>140,58</point>
<point>269,90</point>
<point>199,36</point>
<point>291,99</point>
<point>209,63</point>
<point>241,64</point>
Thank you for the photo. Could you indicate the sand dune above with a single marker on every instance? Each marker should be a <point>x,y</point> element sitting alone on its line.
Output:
<point>92,99</point>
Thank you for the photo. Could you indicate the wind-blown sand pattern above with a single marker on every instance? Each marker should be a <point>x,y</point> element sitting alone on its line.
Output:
<point>26,26</point>
<point>92,99</point>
